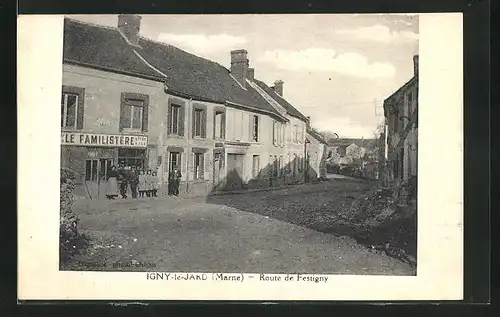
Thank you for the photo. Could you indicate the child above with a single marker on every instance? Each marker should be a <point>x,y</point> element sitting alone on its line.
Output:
<point>154,184</point>
<point>149,183</point>
<point>142,183</point>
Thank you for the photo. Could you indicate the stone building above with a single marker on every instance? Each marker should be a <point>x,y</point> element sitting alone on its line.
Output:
<point>401,119</point>
<point>130,100</point>
<point>316,149</point>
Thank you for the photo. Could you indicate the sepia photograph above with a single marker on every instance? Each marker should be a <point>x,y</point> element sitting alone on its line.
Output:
<point>240,157</point>
<point>240,143</point>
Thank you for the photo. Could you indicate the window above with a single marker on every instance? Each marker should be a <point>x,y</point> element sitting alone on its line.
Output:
<point>134,112</point>
<point>255,128</point>
<point>174,123</point>
<point>275,136</point>
<point>295,134</point>
<point>105,167</point>
<point>255,166</point>
<point>279,133</point>
<point>198,165</point>
<point>69,106</point>
<point>174,160</point>
<point>72,107</point>
<point>199,122</point>
<point>132,157</point>
<point>283,134</point>
<point>91,170</point>
<point>219,125</point>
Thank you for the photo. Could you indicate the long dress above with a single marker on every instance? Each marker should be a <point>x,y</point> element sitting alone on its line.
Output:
<point>142,182</point>
<point>112,184</point>
<point>154,182</point>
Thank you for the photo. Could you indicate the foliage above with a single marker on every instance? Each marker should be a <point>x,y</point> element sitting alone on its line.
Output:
<point>70,241</point>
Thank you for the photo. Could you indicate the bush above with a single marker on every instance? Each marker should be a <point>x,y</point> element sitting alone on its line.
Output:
<point>70,241</point>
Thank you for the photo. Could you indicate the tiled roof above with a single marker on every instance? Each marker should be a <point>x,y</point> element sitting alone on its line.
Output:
<point>187,75</point>
<point>101,47</point>
<point>317,136</point>
<point>285,104</point>
<point>395,96</point>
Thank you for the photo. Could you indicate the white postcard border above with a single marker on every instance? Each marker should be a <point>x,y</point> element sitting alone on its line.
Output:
<point>440,188</point>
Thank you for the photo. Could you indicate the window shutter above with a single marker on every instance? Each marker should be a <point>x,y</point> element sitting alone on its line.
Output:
<point>182,110</point>
<point>223,125</point>
<point>145,115</point>
<point>81,105</point>
<point>169,119</point>
<point>204,124</point>
<point>274,133</point>
<point>214,123</point>
<point>250,128</point>
<point>202,165</point>
<point>193,122</point>
<point>123,113</point>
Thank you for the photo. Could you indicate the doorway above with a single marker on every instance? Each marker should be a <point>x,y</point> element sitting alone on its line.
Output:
<point>234,179</point>
<point>218,172</point>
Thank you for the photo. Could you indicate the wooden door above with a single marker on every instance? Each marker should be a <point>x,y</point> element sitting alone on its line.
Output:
<point>218,171</point>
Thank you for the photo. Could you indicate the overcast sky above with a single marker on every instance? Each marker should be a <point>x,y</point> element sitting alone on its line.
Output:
<point>337,69</point>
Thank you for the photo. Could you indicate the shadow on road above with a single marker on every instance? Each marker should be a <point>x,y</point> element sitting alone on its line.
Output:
<point>328,207</point>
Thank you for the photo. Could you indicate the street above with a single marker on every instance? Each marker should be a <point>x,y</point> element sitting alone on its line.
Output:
<point>285,230</point>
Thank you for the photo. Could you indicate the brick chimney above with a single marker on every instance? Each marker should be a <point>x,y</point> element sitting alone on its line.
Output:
<point>129,25</point>
<point>251,74</point>
<point>308,123</point>
<point>278,87</point>
<point>415,65</point>
<point>239,66</point>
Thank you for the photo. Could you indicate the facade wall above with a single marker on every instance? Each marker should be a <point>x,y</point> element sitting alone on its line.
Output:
<point>402,137</point>
<point>101,102</point>
<point>316,152</point>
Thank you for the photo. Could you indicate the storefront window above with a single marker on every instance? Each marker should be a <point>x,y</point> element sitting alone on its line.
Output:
<point>132,157</point>
<point>91,170</point>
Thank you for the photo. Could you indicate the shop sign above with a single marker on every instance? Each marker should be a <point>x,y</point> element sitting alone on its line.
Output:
<point>104,140</point>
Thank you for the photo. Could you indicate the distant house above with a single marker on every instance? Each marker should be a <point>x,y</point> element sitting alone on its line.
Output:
<point>401,117</point>
<point>316,151</point>
<point>348,150</point>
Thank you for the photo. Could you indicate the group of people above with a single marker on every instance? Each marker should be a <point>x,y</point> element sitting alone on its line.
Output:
<point>142,183</point>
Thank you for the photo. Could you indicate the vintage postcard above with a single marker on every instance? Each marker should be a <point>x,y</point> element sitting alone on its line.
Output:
<point>240,157</point>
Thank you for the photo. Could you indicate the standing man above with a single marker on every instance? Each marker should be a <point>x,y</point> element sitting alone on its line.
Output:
<point>123,175</point>
<point>134,181</point>
<point>176,179</point>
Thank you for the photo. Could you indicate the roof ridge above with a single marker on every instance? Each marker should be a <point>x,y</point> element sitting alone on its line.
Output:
<point>91,24</point>
<point>180,49</point>
<point>406,84</point>
<point>276,94</point>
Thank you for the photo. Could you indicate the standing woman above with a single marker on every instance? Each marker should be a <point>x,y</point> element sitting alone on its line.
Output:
<point>112,183</point>
<point>149,183</point>
<point>142,183</point>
